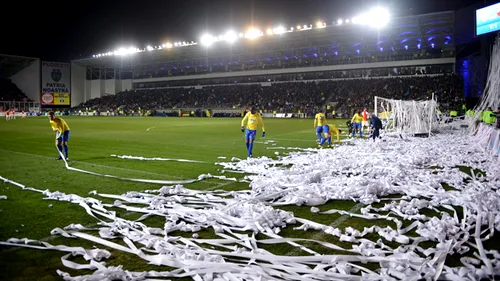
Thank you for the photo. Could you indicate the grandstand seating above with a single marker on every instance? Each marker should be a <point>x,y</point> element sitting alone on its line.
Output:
<point>10,92</point>
<point>306,96</point>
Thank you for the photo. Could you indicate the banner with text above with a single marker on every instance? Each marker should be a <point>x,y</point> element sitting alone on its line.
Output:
<point>55,84</point>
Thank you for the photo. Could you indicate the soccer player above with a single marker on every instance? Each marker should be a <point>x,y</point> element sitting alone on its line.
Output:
<point>332,129</point>
<point>252,119</point>
<point>375,125</point>
<point>319,122</point>
<point>7,115</point>
<point>61,127</point>
<point>365,123</point>
<point>23,114</point>
<point>356,120</point>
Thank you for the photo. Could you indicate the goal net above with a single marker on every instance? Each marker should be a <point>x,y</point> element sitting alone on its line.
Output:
<point>407,117</point>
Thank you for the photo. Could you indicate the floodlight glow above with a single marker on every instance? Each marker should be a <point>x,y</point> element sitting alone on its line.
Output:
<point>230,37</point>
<point>347,21</point>
<point>320,24</point>
<point>340,22</point>
<point>378,17</point>
<point>253,33</point>
<point>279,30</point>
<point>207,40</point>
<point>304,27</point>
<point>241,35</point>
<point>149,48</point>
<point>269,31</point>
<point>299,27</point>
<point>175,44</point>
<point>355,20</point>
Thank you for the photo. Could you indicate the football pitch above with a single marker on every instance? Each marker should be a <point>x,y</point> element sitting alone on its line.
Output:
<point>189,147</point>
<point>27,155</point>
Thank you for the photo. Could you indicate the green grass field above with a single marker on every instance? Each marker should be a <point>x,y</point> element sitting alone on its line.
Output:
<point>27,155</point>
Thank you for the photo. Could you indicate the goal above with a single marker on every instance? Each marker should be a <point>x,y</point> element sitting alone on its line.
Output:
<point>412,117</point>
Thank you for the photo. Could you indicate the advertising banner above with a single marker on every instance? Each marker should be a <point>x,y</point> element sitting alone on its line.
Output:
<point>56,84</point>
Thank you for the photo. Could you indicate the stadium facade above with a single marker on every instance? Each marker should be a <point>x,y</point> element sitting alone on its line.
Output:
<point>423,44</point>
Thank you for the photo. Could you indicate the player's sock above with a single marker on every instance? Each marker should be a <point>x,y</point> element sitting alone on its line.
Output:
<point>360,134</point>
<point>66,150</point>
<point>319,137</point>
<point>250,147</point>
<point>329,140</point>
<point>322,142</point>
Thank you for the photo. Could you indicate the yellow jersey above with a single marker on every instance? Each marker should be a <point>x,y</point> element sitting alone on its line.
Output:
<point>59,124</point>
<point>252,121</point>
<point>319,120</point>
<point>334,130</point>
<point>357,118</point>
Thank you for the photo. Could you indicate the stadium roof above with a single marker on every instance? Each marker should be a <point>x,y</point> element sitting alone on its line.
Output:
<point>403,32</point>
<point>10,65</point>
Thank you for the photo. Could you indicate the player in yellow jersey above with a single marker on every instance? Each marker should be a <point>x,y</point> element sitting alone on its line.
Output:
<point>356,120</point>
<point>319,122</point>
<point>61,127</point>
<point>252,120</point>
<point>332,129</point>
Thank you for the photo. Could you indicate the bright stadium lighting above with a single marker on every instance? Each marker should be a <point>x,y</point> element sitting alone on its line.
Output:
<point>164,45</point>
<point>253,33</point>
<point>320,24</point>
<point>298,27</point>
<point>347,21</point>
<point>340,22</point>
<point>355,20</point>
<point>175,44</point>
<point>241,35</point>
<point>207,40</point>
<point>149,48</point>
<point>378,17</point>
<point>279,30</point>
<point>269,31</point>
<point>230,37</point>
<point>304,27</point>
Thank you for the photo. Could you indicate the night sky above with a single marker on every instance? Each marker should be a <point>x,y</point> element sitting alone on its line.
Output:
<point>65,30</point>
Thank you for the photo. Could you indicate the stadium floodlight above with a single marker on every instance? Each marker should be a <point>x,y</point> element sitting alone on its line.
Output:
<point>164,45</point>
<point>347,21</point>
<point>253,33</point>
<point>230,37</point>
<point>175,44</point>
<point>241,35</point>
<point>207,40</point>
<point>269,31</point>
<point>149,48</point>
<point>355,20</point>
<point>320,24</point>
<point>378,17</point>
<point>298,27</point>
<point>340,22</point>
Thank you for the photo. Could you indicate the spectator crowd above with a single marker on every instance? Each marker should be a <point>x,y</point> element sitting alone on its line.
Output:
<point>305,96</point>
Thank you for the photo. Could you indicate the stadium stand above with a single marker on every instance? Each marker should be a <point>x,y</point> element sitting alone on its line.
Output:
<point>306,96</point>
<point>10,92</point>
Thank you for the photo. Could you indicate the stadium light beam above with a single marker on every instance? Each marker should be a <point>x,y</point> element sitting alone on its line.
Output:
<point>340,22</point>
<point>207,40</point>
<point>149,48</point>
<point>253,33</point>
<point>230,37</point>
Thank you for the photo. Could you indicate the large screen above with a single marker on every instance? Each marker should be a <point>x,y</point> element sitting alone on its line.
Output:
<point>488,19</point>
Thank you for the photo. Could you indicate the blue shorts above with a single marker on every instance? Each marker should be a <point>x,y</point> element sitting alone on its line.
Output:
<point>326,129</point>
<point>319,129</point>
<point>64,137</point>
<point>356,125</point>
<point>250,134</point>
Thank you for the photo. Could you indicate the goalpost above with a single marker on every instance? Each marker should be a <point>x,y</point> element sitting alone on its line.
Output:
<point>407,117</point>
